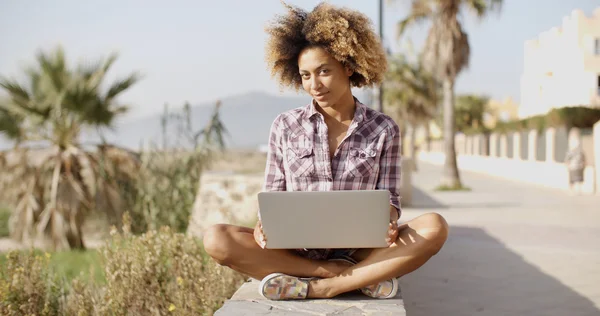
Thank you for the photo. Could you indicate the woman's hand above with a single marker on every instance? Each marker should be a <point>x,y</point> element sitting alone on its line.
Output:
<point>393,227</point>
<point>259,235</point>
<point>392,233</point>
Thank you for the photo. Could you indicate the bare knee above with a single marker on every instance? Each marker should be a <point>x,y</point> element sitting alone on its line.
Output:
<point>434,228</point>
<point>216,242</point>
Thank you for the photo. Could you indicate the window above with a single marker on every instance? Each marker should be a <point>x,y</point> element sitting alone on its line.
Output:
<point>597,46</point>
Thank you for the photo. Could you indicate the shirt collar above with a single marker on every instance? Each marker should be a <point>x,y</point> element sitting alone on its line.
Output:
<point>359,113</point>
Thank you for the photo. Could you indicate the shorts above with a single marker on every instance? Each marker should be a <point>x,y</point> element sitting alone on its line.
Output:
<point>325,254</point>
<point>575,176</point>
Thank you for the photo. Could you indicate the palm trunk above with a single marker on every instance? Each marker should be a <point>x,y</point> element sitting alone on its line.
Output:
<point>402,140</point>
<point>450,176</point>
<point>427,137</point>
<point>413,146</point>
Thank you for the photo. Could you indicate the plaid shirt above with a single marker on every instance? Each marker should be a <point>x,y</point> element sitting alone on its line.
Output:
<point>368,157</point>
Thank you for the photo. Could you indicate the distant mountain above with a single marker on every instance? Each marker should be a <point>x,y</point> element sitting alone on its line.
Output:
<point>247,118</point>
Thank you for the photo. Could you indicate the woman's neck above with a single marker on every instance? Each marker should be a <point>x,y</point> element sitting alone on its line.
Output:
<point>342,111</point>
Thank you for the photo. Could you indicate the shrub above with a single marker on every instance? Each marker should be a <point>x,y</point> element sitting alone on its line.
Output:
<point>165,190</point>
<point>575,116</point>
<point>28,287</point>
<point>159,272</point>
<point>4,216</point>
<point>169,177</point>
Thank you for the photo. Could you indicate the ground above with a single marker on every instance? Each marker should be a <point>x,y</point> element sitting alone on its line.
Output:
<point>513,249</point>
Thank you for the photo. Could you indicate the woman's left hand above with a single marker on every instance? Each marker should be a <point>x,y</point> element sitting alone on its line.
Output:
<point>392,233</point>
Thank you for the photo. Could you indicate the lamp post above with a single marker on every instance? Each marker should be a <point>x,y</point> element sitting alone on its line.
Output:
<point>380,94</point>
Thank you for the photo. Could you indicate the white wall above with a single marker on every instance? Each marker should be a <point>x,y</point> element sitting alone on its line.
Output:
<point>547,174</point>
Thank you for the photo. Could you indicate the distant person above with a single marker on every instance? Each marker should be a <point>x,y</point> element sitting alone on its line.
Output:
<point>333,143</point>
<point>575,161</point>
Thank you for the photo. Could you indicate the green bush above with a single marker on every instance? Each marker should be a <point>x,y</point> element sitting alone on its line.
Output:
<point>165,189</point>
<point>159,272</point>
<point>577,116</point>
<point>569,117</point>
<point>4,216</point>
<point>28,287</point>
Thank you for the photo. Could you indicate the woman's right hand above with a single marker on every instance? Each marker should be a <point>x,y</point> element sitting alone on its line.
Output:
<point>259,235</point>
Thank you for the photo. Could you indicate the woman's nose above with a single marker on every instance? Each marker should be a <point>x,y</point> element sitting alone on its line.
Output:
<point>315,84</point>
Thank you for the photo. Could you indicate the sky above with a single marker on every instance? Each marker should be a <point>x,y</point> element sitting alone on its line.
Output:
<point>199,51</point>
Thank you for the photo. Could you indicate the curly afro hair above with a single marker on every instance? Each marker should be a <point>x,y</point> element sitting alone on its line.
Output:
<point>345,34</point>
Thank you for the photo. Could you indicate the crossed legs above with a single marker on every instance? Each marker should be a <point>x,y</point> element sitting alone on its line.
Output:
<point>418,240</point>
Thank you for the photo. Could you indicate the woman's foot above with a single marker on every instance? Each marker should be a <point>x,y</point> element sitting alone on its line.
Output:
<point>385,289</point>
<point>279,286</point>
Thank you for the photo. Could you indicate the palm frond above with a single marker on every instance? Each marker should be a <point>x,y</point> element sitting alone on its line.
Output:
<point>14,89</point>
<point>482,8</point>
<point>10,124</point>
<point>121,85</point>
<point>54,67</point>
<point>420,12</point>
<point>20,99</point>
<point>412,91</point>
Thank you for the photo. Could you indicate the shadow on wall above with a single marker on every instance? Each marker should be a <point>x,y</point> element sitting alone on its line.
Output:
<point>475,274</point>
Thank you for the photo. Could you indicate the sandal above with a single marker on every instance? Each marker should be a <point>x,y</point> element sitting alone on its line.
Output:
<point>382,290</point>
<point>279,286</point>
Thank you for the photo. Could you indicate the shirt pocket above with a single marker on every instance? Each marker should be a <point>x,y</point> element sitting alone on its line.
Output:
<point>300,158</point>
<point>362,162</point>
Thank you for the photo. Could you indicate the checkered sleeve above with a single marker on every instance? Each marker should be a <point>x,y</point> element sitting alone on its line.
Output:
<point>274,170</point>
<point>389,167</point>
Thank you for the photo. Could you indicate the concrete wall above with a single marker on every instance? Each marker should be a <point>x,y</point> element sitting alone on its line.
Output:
<point>597,155</point>
<point>531,157</point>
<point>552,175</point>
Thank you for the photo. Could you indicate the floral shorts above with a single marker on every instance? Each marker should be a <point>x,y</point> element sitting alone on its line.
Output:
<point>325,254</point>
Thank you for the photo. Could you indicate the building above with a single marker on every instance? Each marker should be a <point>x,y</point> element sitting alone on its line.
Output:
<point>562,66</point>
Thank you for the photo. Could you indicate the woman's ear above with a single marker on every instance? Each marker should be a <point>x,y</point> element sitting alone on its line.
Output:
<point>349,71</point>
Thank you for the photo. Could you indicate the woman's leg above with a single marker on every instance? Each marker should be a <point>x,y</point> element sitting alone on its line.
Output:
<point>418,241</point>
<point>234,246</point>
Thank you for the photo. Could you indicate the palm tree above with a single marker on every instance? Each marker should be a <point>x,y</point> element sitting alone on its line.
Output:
<point>53,180</point>
<point>446,54</point>
<point>470,110</point>
<point>412,93</point>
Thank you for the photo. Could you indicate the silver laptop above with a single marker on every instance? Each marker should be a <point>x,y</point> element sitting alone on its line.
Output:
<point>325,219</point>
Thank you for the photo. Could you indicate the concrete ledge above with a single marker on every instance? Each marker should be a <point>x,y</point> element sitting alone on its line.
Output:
<point>247,301</point>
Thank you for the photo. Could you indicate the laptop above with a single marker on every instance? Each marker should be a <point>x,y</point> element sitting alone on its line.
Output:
<point>325,219</point>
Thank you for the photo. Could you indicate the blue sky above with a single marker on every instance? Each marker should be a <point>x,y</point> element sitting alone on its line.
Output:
<point>203,50</point>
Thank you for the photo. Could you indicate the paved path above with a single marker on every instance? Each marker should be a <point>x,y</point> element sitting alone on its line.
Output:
<point>514,249</point>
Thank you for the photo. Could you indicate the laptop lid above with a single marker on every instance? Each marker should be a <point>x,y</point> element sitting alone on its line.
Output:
<point>325,219</point>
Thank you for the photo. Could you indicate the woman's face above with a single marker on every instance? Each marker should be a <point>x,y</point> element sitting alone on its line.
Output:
<point>323,77</point>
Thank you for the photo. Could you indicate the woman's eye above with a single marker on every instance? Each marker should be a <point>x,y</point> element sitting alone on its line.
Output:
<point>325,71</point>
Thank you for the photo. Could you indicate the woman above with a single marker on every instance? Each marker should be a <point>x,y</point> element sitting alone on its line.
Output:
<point>333,143</point>
<point>575,161</point>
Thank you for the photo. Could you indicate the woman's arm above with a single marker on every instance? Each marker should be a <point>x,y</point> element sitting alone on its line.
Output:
<point>274,171</point>
<point>389,171</point>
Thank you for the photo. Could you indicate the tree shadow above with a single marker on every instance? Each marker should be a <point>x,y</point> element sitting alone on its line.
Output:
<point>422,200</point>
<point>475,274</point>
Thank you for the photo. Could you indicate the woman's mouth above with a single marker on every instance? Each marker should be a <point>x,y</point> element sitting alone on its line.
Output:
<point>320,95</point>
